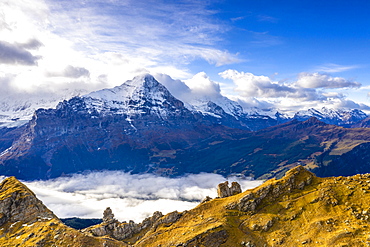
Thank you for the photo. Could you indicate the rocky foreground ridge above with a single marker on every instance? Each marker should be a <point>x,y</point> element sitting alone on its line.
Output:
<point>299,209</point>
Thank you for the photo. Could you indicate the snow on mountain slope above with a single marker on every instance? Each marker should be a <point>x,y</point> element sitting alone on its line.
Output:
<point>142,95</point>
<point>207,106</point>
<point>17,111</point>
<point>332,116</point>
<point>267,112</point>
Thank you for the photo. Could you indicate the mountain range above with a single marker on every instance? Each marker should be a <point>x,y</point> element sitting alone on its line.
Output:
<point>141,127</point>
<point>15,113</point>
<point>299,209</point>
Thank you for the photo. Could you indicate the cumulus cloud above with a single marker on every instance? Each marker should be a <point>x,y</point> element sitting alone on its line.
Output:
<point>70,72</point>
<point>346,103</point>
<point>251,102</point>
<point>131,196</point>
<point>250,85</point>
<point>308,90</point>
<point>317,80</point>
<point>16,54</point>
<point>177,87</point>
<point>200,86</point>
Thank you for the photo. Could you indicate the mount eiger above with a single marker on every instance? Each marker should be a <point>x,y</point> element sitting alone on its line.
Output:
<point>141,127</point>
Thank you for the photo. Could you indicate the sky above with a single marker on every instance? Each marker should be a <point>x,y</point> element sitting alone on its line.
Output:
<point>287,54</point>
<point>130,196</point>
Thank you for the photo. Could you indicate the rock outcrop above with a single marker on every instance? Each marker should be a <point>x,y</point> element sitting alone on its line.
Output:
<point>108,216</point>
<point>223,189</point>
<point>123,230</point>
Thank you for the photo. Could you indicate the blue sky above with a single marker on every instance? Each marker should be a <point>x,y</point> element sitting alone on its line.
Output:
<point>288,37</point>
<point>284,54</point>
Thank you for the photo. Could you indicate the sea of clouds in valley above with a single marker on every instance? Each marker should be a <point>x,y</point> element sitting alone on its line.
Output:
<point>131,196</point>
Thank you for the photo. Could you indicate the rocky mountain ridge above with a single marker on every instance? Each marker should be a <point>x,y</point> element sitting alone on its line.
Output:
<point>340,117</point>
<point>299,209</point>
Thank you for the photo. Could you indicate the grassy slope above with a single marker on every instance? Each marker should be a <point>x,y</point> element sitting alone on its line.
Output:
<point>328,212</point>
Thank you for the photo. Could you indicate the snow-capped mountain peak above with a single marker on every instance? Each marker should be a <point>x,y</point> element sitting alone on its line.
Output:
<point>141,95</point>
<point>332,116</point>
<point>140,85</point>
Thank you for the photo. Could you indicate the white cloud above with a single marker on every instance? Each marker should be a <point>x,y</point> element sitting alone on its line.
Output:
<point>155,30</point>
<point>201,84</point>
<point>250,85</point>
<point>131,196</point>
<point>317,80</point>
<point>197,90</point>
<point>309,90</point>
<point>177,87</point>
<point>65,41</point>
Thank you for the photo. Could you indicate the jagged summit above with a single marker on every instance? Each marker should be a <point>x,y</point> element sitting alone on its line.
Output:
<point>144,83</point>
<point>143,94</point>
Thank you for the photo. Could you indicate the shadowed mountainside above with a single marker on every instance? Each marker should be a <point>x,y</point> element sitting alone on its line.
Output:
<point>173,148</point>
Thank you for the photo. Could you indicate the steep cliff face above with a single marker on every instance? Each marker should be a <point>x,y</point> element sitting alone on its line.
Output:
<point>25,221</point>
<point>18,203</point>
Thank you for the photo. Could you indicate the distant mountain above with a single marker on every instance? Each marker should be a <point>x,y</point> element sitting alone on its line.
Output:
<point>339,117</point>
<point>17,110</point>
<point>299,209</point>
